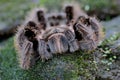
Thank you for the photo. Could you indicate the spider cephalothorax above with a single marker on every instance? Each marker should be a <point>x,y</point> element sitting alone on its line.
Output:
<point>44,34</point>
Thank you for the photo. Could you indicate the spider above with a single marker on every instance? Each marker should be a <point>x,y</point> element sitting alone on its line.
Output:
<point>43,34</point>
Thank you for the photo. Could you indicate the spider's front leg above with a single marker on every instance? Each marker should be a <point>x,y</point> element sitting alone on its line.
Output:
<point>25,50</point>
<point>39,26</point>
<point>73,43</point>
<point>58,43</point>
<point>41,18</point>
<point>88,41</point>
<point>44,50</point>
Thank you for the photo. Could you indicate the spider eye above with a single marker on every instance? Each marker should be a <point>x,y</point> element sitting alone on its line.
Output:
<point>53,17</point>
<point>52,24</point>
<point>59,17</point>
<point>31,23</point>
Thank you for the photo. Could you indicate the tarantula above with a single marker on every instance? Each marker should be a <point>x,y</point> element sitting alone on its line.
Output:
<point>44,34</point>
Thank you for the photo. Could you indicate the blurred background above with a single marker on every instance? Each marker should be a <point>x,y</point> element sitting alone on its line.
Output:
<point>13,12</point>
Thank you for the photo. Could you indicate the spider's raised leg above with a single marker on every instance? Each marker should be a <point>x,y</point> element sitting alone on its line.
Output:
<point>41,18</point>
<point>69,10</point>
<point>73,11</point>
<point>37,15</point>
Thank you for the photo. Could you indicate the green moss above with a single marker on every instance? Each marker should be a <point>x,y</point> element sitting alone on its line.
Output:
<point>68,66</point>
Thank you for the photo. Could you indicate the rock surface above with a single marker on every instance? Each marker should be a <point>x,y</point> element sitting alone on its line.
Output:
<point>109,67</point>
<point>112,26</point>
<point>108,70</point>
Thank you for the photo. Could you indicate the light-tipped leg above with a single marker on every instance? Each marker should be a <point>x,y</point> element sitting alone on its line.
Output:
<point>41,18</point>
